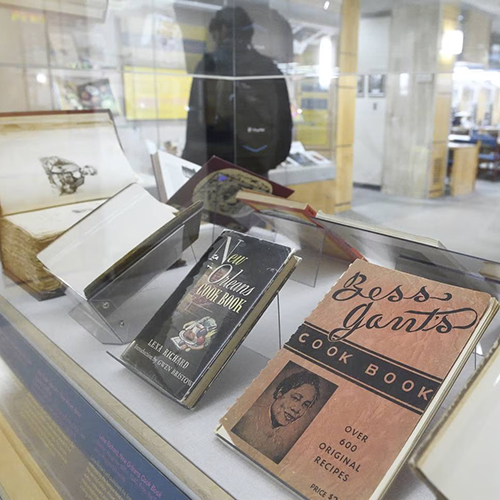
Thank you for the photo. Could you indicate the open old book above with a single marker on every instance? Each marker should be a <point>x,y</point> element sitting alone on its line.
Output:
<point>115,236</point>
<point>55,168</point>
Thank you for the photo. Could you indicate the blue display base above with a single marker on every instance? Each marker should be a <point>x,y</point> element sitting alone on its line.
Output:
<point>81,453</point>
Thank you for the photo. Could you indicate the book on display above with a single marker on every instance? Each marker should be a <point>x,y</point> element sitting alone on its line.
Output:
<point>196,331</point>
<point>216,184</point>
<point>337,412</point>
<point>55,168</point>
<point>285,211</point>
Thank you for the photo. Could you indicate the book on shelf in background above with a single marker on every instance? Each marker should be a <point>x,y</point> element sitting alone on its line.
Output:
<point>161,41</point>
<point>300,157</point>
<point>76,44</point>
<point>94,94</point>
<point>98,94</point>
<point>63,51</point>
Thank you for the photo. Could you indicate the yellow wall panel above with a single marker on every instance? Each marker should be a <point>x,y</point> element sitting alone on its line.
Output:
<point>155,94</point>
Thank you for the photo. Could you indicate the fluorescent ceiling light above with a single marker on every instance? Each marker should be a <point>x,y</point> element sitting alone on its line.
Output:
<point>41,78</point>
<point>452,43</point>
<point>325,61</point>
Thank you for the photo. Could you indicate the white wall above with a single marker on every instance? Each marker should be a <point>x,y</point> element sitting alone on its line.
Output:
<point>373,57</point>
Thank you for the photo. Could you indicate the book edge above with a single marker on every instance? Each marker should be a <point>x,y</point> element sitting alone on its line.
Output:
<point>437,401</point>
<point>160,183</point>
<point>393,233</point>
<point>430,441</point>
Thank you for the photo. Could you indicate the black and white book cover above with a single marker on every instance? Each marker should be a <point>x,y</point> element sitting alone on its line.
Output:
<point>212,304</point>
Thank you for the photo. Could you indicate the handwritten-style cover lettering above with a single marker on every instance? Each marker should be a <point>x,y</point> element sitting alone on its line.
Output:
<point>332,411</point>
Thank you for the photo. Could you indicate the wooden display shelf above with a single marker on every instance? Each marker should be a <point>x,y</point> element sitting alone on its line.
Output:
<point>464,168</point>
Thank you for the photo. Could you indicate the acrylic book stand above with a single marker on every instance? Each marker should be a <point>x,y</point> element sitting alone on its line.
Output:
<point>107,313</point>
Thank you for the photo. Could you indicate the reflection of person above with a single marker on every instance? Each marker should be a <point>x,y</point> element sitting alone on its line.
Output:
<point>65,175</point>
<point>242,120</point>
<point>271,426</point>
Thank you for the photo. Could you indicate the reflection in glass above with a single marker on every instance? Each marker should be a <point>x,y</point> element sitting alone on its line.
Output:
<point>240,118</point>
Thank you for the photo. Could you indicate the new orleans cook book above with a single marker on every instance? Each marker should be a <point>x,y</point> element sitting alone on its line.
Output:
<point>192,336</point>
<point>335,414</point>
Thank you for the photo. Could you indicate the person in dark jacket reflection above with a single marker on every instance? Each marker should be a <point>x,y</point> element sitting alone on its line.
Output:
<point>240,118</point>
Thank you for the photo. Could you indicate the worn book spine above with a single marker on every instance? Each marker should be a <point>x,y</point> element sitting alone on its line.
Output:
<point>18,251</point>
<point>196,324</point>
<point>332,413</point>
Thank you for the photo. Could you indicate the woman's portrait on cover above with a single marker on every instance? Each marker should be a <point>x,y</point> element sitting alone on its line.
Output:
<point>275,422</point>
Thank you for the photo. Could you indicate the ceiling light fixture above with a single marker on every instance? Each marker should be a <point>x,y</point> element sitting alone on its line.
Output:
<point>452,43</point>
<point>325,61</point>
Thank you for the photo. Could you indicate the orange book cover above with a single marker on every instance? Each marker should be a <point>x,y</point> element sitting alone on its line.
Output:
<point>335,414</point>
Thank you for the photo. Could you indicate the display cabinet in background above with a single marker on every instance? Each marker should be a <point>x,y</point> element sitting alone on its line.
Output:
<point>162,69</point>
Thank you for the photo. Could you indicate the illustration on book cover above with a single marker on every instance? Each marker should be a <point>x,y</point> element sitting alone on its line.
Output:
<point>196,335</point>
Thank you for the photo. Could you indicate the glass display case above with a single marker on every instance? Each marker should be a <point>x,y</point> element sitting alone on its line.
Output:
<point>169,71</point>
<point>73,405</point>
<point>380,112</point>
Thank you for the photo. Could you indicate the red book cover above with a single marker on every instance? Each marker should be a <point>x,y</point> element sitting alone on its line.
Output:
<point>217,184</point>
<point>299,212</point>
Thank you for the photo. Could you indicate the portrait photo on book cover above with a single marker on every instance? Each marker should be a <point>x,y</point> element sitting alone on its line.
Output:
<point>282,413</point>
